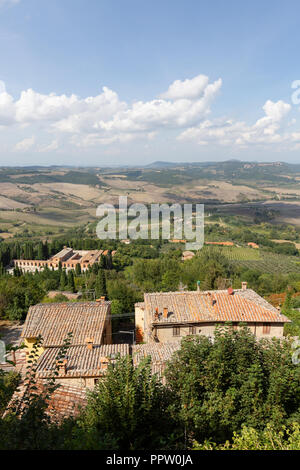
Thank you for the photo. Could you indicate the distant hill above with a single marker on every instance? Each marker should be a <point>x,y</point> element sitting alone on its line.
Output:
<point>162,164</point>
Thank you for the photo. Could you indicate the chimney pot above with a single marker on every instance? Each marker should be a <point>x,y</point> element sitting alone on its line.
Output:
<point>104,363</point>
<point>244,285</point>
<point>89,343</point>
<point>166,311</point>
<point>62,366</point>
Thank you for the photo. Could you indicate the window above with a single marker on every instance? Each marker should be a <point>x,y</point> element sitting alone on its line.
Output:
<point>266,328</point>
<point>192,330</point>
<point>176,331</point>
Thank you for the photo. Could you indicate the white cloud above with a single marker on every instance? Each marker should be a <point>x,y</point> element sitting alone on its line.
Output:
<point>49,147</point>
<point>104,119</point>
<point>266,130</point>
<point>25,144</point>
<point>189,88</point>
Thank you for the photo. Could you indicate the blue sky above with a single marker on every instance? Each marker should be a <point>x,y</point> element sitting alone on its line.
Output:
<point>183,81</point>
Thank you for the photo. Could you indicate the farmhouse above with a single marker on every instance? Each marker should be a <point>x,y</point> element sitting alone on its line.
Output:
<point>253,245</point>
<point>163,317</point>
<point>67,258</point>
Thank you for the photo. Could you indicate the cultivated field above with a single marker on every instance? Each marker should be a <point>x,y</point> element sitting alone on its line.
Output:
<point>57,199</point>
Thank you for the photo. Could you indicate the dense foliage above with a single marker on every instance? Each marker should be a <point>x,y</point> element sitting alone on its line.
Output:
<point>232,381</point>
<point>233,393</point>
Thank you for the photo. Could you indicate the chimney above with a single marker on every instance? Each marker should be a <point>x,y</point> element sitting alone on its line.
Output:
<point>156,314</point>
<point>104,363</point>
<point>61,365</point>
<point>279,309</point>
<point>244,285</point>
<point>198,286</point>
<point>166,311</point>
<point>89,343</point>
<point>230,291</point>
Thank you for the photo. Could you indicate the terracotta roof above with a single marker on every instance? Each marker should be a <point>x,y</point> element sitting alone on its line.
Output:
<point>160,353</point>
<point>65,251</point>
<point>81,361</point>
<point>66,400</point>
<point>55,320</point>
<point>211,306</point>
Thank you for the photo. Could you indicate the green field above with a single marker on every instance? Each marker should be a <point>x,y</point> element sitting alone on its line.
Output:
<point>260,260</point>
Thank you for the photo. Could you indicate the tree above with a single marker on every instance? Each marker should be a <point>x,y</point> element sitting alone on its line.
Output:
<point>40,252</point>
<point>100,284</point>
<point>132,406</point>
<point>77,269</point>
<point>71,281</point>
<point>63,280</point>
<point>233,380</point>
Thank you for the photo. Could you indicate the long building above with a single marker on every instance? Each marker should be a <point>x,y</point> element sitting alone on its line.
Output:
<point>68,258</point>
<point>166,316</point>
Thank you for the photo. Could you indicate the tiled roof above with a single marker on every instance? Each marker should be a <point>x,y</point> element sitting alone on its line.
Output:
<point>81,361</point>
<point>160,353</point>
<point>55,320</point>
<point>211,306</point>
<point>63,253</point>
<point>65,401</point>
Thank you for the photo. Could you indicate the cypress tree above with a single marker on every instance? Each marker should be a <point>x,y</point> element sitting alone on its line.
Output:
<point>63,280</point>
<point>71,281</point>
<point>77,269</point>
<point>100,284</point>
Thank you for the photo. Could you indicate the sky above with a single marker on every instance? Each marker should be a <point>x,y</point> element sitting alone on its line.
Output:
<point>126,82</point>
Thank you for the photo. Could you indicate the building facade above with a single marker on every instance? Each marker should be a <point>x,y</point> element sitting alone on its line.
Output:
<point>165,317</point>
<point>67,257</point>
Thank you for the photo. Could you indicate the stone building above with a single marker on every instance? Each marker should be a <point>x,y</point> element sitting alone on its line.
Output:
<point>68,258</point>
<point>163,317</point>
<point>53,322</point>
<point>82,366</point>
